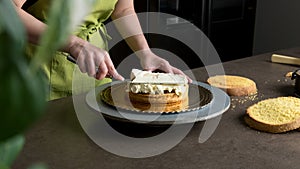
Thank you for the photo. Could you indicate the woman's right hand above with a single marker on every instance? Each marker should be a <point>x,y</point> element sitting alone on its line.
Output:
<point>89,57</point>
<point>92,60</point>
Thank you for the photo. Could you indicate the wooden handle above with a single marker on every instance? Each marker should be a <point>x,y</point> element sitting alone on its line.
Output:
<point>285,59</point>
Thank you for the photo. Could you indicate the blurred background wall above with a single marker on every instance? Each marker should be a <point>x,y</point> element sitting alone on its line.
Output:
<point>277,25</point>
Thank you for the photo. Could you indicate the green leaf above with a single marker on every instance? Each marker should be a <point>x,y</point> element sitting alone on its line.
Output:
<point>56,34</point>
<point>22,88</point>
<point>10,22</point>
<point>22,97</point>
<point>10,149</point>
<point>23,100</point>
<point>3,166</point>
<point>60,27</point>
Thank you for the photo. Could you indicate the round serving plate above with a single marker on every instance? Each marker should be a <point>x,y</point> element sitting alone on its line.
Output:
<point>116,96</point>
<point>205,102</point>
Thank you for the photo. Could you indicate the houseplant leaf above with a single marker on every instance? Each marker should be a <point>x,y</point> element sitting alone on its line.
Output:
<point>10,149</point>
<point>22,97</point>
<point>64,17</point>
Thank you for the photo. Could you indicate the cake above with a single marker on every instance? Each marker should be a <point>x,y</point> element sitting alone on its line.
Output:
<point>234,85</point>
<point>158,92</point>
<point>275,115</point>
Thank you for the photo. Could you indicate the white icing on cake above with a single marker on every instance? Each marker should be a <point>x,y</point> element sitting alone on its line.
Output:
<point>157,83</point>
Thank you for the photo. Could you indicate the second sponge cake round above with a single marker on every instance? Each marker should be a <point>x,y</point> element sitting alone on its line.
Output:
<point>275,115</point>
<point>234,85</point>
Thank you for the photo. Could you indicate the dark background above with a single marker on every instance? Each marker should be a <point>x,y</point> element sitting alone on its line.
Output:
<point>236,28</point>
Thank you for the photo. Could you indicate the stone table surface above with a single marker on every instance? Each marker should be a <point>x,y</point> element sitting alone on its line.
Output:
<point>59,141</point>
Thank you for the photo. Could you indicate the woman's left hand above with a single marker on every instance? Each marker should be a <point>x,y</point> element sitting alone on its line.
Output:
<point>151,62</point>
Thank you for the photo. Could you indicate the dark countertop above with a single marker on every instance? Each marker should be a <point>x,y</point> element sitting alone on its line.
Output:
<point>58,140</point>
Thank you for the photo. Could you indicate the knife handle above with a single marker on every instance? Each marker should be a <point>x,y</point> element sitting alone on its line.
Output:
<point>71,59</point>
<point>276,58</point>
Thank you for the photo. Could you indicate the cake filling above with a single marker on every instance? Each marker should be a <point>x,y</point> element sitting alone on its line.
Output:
<point>157,88</point>
<point>157,83</point>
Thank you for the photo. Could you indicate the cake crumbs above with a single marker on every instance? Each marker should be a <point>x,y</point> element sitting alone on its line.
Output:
<point>285,80</point>
<point>241,100</point>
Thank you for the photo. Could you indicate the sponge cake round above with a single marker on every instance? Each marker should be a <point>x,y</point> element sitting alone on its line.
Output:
<point>234,85</point>
<point>275,115</point>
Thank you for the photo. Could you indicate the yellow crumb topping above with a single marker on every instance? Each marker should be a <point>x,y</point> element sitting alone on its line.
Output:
<point>276,111</point>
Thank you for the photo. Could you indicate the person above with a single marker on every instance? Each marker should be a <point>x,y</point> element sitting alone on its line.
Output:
<point>88,39</point>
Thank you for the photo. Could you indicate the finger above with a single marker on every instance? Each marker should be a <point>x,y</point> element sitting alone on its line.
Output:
<point>151,69</point>
<point>155,69</point>
<point>90,66</point>
<point>168,70</point>
<point>117,76</point>
<point>108,76</point>
<point>165,66</point>
<point>81,63</point>
<point>112,70</point>
<point>102,71</point>
<point>189,79</point>
<point>178,71</point>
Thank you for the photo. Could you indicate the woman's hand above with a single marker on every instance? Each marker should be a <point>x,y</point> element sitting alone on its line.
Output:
<point>92,60</point>
<point>128,25</point>
<point>151,62</point>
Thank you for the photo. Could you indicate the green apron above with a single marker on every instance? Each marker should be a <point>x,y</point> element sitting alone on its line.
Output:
<point>64,77</point>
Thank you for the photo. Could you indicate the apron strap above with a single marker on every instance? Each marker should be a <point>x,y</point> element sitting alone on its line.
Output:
<point>103,33</point>
<point>92,28</point>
